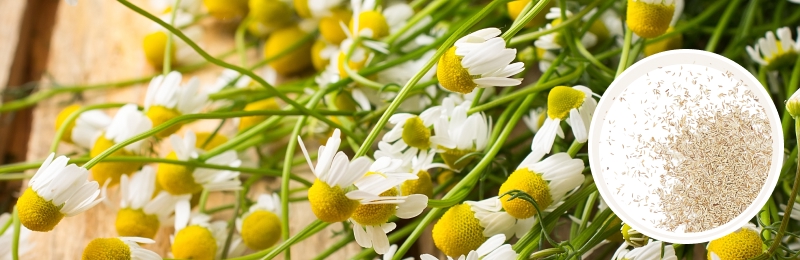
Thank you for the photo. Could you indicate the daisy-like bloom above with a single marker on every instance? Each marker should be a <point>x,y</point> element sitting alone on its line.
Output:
<point>653,250</point>
<point>479,59</point>
<point>633,237</point>
<point>85,129</point>
<point>535,119</point>
<point>321,54</point>
<point>515,9</point>
<point>330,25</point>
<point>119,248</point>
<point>7,236</point>
<point>184,180</point>
<point>268,15</point>
<point>280,41</point>
<point>57,190</point>
<point>196,237</point>
<point>127,123</point>
<point>458,134</point>
<point>458,222</point>
<point>650,18</point>
<point>744,243</point>
<point>411,132</point>
<point>226,9</point>
<point>204,144</point>
<point>141,214</point>
<point>671,43</point>
<point>167,99</point>
<point>230,77</point>
<point>494,248</point>
<point>420,165</point>
<point>547,182</point>
<point>575,104</point>
<point>260,226</point>
<point>247,122</point>
<point>154,44</point>
<point>555,41</point>
<point>775,53</point>
<point>371,219</point>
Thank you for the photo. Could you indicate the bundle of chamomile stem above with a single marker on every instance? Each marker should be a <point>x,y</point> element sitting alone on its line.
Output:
<point>458,123</point>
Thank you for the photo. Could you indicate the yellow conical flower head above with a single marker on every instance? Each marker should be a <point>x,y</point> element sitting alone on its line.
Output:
<point>154,45</point>
<point>458,231</point>
<point>782,57</point>
<point>272,14</point>
<point>37,214</point>
<point>452,157</point>
<point>423,185</point>
<point>226,9</point>
<point>742,244</point>
<point>650,18</point>
<point>177,179</point>
<point>62,117</point>
<point>216,140</point>
<point>110,170</point>
<point>194,242</point>
<point>301,6</point>
<point>633,237</point>
<point>452,76</point>
<point>317,60</point>
<point>261,230</point>
<point>562,99</point>
<point>344,101</point>
<point>135,223</point>
<point>355,63</point>
<point>416,134</point>
<point>376,214</point>
<point>516,7</point>
<point>280,41</point>
<point>671,43</point>
<point>330,204</point>
<point>106,248</point>
<point>373,20</point>
<point>531,183</point>
<point>250,121</point>
<point>330,28</point>
<point>160,114</point>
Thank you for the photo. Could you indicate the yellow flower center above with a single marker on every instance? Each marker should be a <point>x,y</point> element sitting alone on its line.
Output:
<point>742,244</point>
<point>600,30</point>
<point>452,76</point>
<point>782,58</point>
<point>633,237</point>
<point>135,223</point>
<point>354,65</point>
<point>194,242</point>
<point>270,13</point>
<point>458,231</point>
<point>330,204</point>
<point>374,21</point>
<point>416,134</point>
<point>515,9</point>
<point>250,121</point>
<point>106,248</point>
<point>37,214</point>
<point>301,6</point>
<point>446,176</point>
<point>177,179</point>
<point>281,41</point>
<point>317,60</point>
<point>376,214</point>
<point>423,185</point>
<point>226,9</point>
<point>261,230</point>
<point>649,20</point>
<point>110,170</point>
<point>531,183</point>
<point>159,114</point>
<point>452,157</point>
<point>202,138</point>
<point>62,117</point>
<point>345,101</point>
<point>154,45</point>
<point>329,26</point>
<point>671,43</point>
<point>562,99</point>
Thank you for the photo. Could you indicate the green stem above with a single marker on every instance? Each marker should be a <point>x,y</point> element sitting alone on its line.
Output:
<point>15,239</point>
<point>546,252</point>
<point>723,22</point>
<point>239,41</point>
<point>527,37</point>
<point>794,81</point>
<point>428,10</point>
<point>311,229</point>
<point>529,12</point>
<point>167,66</point>
<point>528,90</point>
<point>231,227</point>
<point>72,117</point>
<point>789,204</point>
<point>626,48</point>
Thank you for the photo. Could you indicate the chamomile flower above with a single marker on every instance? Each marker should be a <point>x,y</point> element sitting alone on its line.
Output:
<point>670,43</point>
<point>85,129</point>
<point>371,219</point>
<point>575,104</point>
<point>420,165</point>
<point>367,21</point>
<point>167,99</point>
<point>197,237</point>
<point>260,226</point>
<point>535,119</point>
<point>154,43</point>
<point>411,131</point>
<point>280,41</point>
<point>479,59</point>
<point>459,134</point>
<point>127,123</point>
<point>119,248</point>
<point>141,214</point>
<point>515,9</point>
<point>321,54</point>
<point>555,40</point>
<point>389,255</point>
<point>494,248</point>
<point>247,122</point>
<point>269,15</point>
<point>232,78</point>
<point>331,25</point>
<point>633,237</point>
<point>459,222</point>
<point>183,180</point>
<point>7,236</point>
<point>775,53</point>
<point>653,250</point>
<point>226,9</point>
<point>57,190</point>
<point>203,142</point>
<point>744,243</point>
<point>650,18</point>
